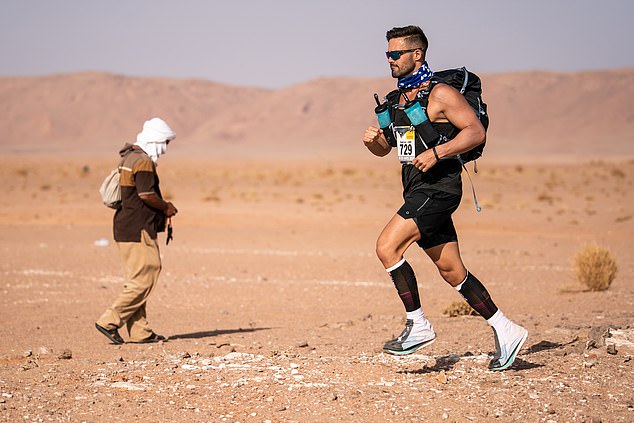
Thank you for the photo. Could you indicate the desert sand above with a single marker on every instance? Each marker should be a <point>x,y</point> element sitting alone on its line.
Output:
<point>275,305</point>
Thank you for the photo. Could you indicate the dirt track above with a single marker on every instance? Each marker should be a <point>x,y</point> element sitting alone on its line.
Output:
<point>277,308</point>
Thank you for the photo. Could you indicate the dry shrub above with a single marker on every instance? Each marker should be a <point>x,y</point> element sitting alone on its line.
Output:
<point>23,172</point>
<point>618,173</point>
<point>547,198</point>
<point>212,197</point>
<point>595,267</point>
<point>459,308</point>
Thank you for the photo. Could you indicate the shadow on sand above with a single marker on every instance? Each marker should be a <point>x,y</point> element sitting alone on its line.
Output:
<point>212,333</point>
<point>447,362</point>
<point>547,345</point>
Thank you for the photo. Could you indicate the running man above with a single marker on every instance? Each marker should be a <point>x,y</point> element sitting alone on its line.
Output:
<point>432,189</point>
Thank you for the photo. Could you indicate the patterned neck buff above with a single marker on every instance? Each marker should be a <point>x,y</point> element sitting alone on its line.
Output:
<point>414,80</point>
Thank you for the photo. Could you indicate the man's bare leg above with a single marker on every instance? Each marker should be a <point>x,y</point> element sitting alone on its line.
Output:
<point>394,240</point>
<point>508,336</point>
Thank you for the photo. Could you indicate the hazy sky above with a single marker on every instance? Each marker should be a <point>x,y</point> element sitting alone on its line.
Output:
<point>275,43</point>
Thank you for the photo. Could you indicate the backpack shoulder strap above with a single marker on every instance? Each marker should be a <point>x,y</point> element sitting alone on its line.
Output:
<point>423,95</point>
<point>393,96</point>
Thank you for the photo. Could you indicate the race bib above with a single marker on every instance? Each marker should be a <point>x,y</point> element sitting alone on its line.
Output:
<point>405,136</point>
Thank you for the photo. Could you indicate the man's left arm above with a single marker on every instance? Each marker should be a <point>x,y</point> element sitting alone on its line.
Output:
<point>446,104</point>
<point>144,179</point>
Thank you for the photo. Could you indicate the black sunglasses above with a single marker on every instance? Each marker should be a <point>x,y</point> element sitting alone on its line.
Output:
<point>396,54</point>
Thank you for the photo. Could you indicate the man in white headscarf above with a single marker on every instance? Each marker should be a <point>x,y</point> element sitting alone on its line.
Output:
<point>154,137</point>
<point>142,215</point>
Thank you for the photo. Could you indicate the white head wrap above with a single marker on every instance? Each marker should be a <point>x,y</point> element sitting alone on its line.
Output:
<point>154,136</point>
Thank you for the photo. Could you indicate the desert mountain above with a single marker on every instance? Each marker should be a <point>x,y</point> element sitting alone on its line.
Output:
<point>532,113</point>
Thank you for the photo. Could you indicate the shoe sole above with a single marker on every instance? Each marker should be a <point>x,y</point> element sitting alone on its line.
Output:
<point>410,350</point>
<point>107,335</point>
<point>153,339</point>
<point>513,355</point>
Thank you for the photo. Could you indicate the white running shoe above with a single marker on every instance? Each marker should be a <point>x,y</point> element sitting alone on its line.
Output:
<point>411,339</point>
<point>507,344</point>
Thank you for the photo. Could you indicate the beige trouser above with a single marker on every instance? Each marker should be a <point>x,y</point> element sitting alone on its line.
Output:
<point>142,265</point>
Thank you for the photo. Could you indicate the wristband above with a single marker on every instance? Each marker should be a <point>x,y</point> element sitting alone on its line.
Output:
<point>435,154</point>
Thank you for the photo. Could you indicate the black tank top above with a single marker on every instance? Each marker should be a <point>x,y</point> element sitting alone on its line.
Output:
<point>444,176</point>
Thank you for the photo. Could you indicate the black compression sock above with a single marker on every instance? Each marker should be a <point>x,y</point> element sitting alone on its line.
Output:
<point>477,296</point>
<point>404,280</point>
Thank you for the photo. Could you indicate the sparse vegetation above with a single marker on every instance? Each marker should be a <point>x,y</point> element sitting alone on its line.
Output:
<point>618,173</point>
<point>459,308</point>
<point>545,197</point>
<point>212,197</point>
<point>595,267</point>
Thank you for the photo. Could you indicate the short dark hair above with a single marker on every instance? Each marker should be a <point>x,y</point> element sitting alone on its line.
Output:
<point>414,35</point>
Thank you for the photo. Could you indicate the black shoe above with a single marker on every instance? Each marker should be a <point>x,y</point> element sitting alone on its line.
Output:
<point>112,334</point>
<point>151,339</point>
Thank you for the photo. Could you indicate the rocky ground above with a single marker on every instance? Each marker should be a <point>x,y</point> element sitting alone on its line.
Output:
<point>276,307</point>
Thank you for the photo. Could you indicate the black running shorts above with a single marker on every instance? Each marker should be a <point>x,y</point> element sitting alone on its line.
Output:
<point>432,213</point>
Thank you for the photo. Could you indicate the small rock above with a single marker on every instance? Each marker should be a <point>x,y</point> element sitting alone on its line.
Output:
<point>44,351</point>
<point>30,364</point>
<point>226,349</point>
<point>302,344</point>
<point>183,354</point>
<point>590,360</point>
<point>27,353</point>
<point>66,354</point>
<point>129,386</point>
<point>597,335</point>
<point>612,349</point>
<point>442,377</point>
<point>334,397</point>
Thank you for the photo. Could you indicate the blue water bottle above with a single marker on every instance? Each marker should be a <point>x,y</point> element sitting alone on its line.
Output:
<point>426,135</point>
<point>382,112</point>
<point>415,113</point>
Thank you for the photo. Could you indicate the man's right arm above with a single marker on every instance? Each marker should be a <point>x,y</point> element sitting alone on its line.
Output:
<point>375,141</point>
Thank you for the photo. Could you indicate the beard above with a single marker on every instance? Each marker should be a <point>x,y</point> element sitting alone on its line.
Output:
<point>402,71</point>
